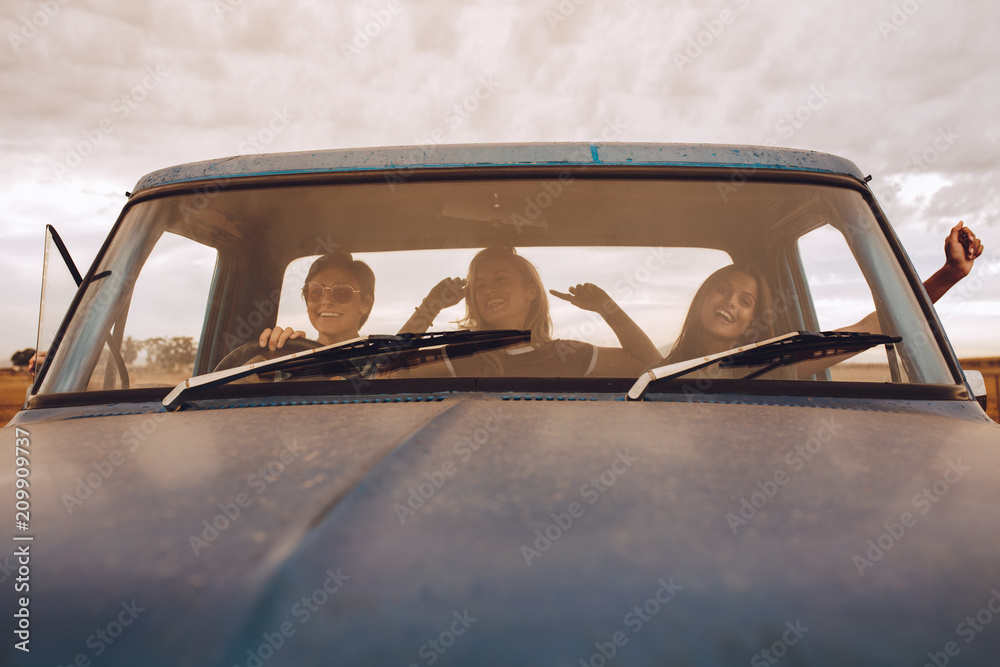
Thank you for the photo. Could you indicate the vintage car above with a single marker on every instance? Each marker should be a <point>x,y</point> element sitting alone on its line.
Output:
<point>464,458</point>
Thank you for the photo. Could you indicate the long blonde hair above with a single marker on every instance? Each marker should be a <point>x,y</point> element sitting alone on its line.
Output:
<point>537,320</point>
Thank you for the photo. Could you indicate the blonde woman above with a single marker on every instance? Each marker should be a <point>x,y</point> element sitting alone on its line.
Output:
<point>504,291</point>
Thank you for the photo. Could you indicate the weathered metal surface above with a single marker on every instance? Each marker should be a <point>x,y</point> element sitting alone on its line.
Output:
<point>749,158</point>
<point>420,519</point>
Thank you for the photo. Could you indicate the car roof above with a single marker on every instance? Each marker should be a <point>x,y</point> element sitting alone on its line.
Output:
<point>501,155</point>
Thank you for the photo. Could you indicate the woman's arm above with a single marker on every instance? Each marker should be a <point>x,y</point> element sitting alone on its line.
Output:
<point>961,248</point>
<point>637,350</point>
<point>445,294</point>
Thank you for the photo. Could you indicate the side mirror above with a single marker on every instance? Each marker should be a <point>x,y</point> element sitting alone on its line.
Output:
<point>978,385</point>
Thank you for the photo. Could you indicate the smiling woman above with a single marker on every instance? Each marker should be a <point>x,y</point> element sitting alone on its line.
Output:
<point>339,292</point>
<point>504,291</point>
<point>721,314</point>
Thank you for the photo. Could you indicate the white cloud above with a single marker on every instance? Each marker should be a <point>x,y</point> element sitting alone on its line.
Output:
<point>230,64</point>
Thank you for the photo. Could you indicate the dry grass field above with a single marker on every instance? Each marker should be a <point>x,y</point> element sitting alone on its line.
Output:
<point>12,388</point>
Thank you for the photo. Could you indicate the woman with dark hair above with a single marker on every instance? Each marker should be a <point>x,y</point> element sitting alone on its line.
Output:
<point>733,306</point>
<point>504,291</point>
<point>339,292</point>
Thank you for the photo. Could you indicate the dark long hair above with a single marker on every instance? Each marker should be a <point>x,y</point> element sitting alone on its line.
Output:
<point>691,341</point>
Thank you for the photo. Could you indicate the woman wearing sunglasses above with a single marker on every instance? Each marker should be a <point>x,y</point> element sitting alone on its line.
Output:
<point>339,292</point>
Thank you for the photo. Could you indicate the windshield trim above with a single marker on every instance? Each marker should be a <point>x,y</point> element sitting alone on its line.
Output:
<point>685,389</point>
<point>430,173</point>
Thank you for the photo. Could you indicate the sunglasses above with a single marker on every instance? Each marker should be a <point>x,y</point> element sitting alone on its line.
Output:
<point>340,293</point>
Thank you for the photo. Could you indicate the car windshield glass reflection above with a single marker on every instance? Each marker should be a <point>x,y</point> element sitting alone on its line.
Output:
<point>610,277</point>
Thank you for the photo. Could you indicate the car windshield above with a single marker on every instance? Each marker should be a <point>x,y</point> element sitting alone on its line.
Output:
<point>611,276</point>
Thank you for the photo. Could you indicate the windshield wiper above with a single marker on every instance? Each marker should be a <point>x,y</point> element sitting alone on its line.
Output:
<point>785,350</point>
<point>360,357</point>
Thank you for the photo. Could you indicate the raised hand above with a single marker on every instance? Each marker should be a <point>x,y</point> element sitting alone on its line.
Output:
<point>961,249</point>
<point>588,296</point>
<point>445,294</point>
<point>36,361</point>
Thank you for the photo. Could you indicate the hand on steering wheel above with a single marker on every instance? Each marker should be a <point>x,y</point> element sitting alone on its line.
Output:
<point>247,352</point>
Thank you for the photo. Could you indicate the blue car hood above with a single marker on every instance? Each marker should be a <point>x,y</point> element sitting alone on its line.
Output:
<point>477,530</point>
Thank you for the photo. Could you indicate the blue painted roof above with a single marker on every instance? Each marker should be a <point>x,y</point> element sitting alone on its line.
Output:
<point>482,155</point>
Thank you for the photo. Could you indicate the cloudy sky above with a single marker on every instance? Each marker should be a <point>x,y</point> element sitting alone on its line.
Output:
<point>96,93</point>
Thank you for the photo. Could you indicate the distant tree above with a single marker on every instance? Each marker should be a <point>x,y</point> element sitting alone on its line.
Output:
<point>170,354</point>
<point>22,358</point>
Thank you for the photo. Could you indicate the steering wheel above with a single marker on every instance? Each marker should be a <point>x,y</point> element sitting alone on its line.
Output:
<point>245,353</point>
